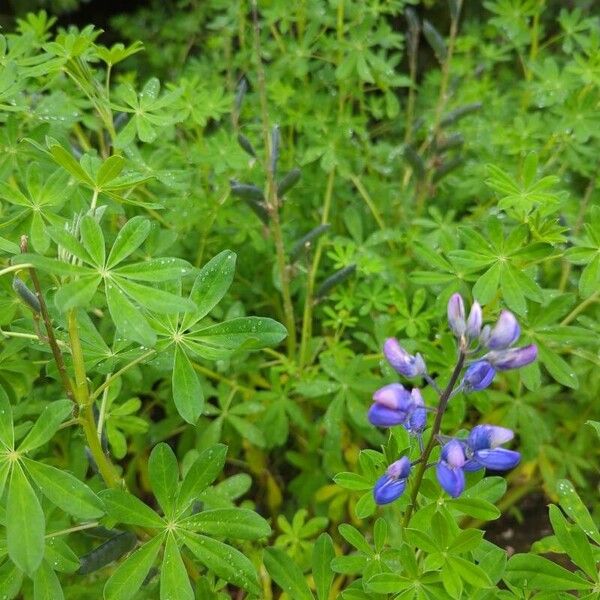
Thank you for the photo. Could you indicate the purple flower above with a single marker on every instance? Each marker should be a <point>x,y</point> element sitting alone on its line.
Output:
<point>505,333</point>
<point>391,406</point>
<point>394,405</point>
<point>483,450</point>
<point>478,376</point>
<point>456,315</point>
<point>513,358</point>
<point>391,486</point>
<point>404,363</point>
<point>449,470</point>
<point>474,321</point>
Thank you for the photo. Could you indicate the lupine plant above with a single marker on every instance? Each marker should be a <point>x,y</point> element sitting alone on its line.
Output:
<point>480,353</point>
<point>230,236</point>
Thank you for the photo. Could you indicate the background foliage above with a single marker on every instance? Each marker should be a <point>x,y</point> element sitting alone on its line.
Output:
<point>199,304</point>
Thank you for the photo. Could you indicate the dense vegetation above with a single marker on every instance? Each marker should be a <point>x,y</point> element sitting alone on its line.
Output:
<point>213,218</point>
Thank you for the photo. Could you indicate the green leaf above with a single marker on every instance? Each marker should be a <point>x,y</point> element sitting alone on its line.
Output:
<point>11,579</point>
<point>485,287</point>
<point>46,585</point>
<point>557,367</point>
<point>47,425</point>
<point>286,573</point>
<point>571,503</point>
<point>352,481</point>
<point>465,541</point>
<point>322,555</point>
<point>589,282</point>
<point>109,170</point>
<point>187,391</point>
<point>126,581</point>
<point>237,523</point>
<point>127,318</point>
<point>475,507</point>
<point>7,432</point>
<point>354,536</point>
<point>246,332</point>
<point>66,160</point>
<point>532,572</point>
<point>164,476</point>
<point>388,583</point>
<point>470,572</point>
<point>211,284</point>
<point>25,523</point>
<point>92,239</point>
<point>201,474</point>
<point>573,541</point>
<point>154,299</point>
<point>156,270</point>
<point>77,293</point>
<point>65,490</point>
<point>223,560</point>
<point>129,239</point>
<point>174,580</point>
<point>420,539</point>
<point>595,425</point>
<point>123,507</point>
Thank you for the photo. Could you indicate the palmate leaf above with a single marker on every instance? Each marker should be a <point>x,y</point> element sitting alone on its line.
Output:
<point>287,574</point>
<point>126,508</point>
<point>46,585</point>
<point>187,391</point>
<point>237,523</point>
<point>46,425</point>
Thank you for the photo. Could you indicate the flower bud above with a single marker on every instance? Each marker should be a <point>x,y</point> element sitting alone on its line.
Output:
<point>449,470</point>
<point>382,416</point>
<point>401,361</point>
<point>513,358</point>
<point>474,321</point>
<point>478,376</point>
<point>417,418</point>
<point>393,396</point>
<point>488,436</point>
<point>456,315</point>
<point>505,332</point>
<point>391,486</point>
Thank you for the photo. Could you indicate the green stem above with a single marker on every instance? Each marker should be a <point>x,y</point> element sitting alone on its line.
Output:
<point>109,380</point>
<point>272,199</point>
<point>312,275</point>
<point>595,297</point>
<point>432,440</point>
<point>105,467</point>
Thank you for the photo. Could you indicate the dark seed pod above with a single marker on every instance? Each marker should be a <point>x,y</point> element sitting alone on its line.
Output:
<point>91,461</point>
<point>435,39</point>
<point>26,295</point>
<point>197,507</point>
<point>245,144</point>
<point>335,279</point>
<point>415,161</point>
<point>446,168</point>
<point>454,140</point>
<point>288,182</point>
<point>413,20</point>
<point>305,241</point>
<point>109,551</point>
<point>246,191</point>
<point>460,112</point>
<point>275,141</point>
<point>242,88</point>
<point>259,209</point>
<point>151,575</point>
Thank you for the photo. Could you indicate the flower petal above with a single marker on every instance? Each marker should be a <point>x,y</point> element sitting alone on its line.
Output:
<point>498,459</point>
<point>381,416</point>
<point>505,333</point>
<point>451,480</point>
<point>393,396</point>
<point>387,489</point>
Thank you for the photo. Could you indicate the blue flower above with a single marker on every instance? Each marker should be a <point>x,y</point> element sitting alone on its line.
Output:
<point>391,486</point>
<point>449,470</point>
<point>513,358</point>
<point>395,405</point>
<point>505,333</point>
<point>401,361</point>
<point>483,451</point>
<point>478,376</point>
<point>391,406</point>
<point>474,321</point>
